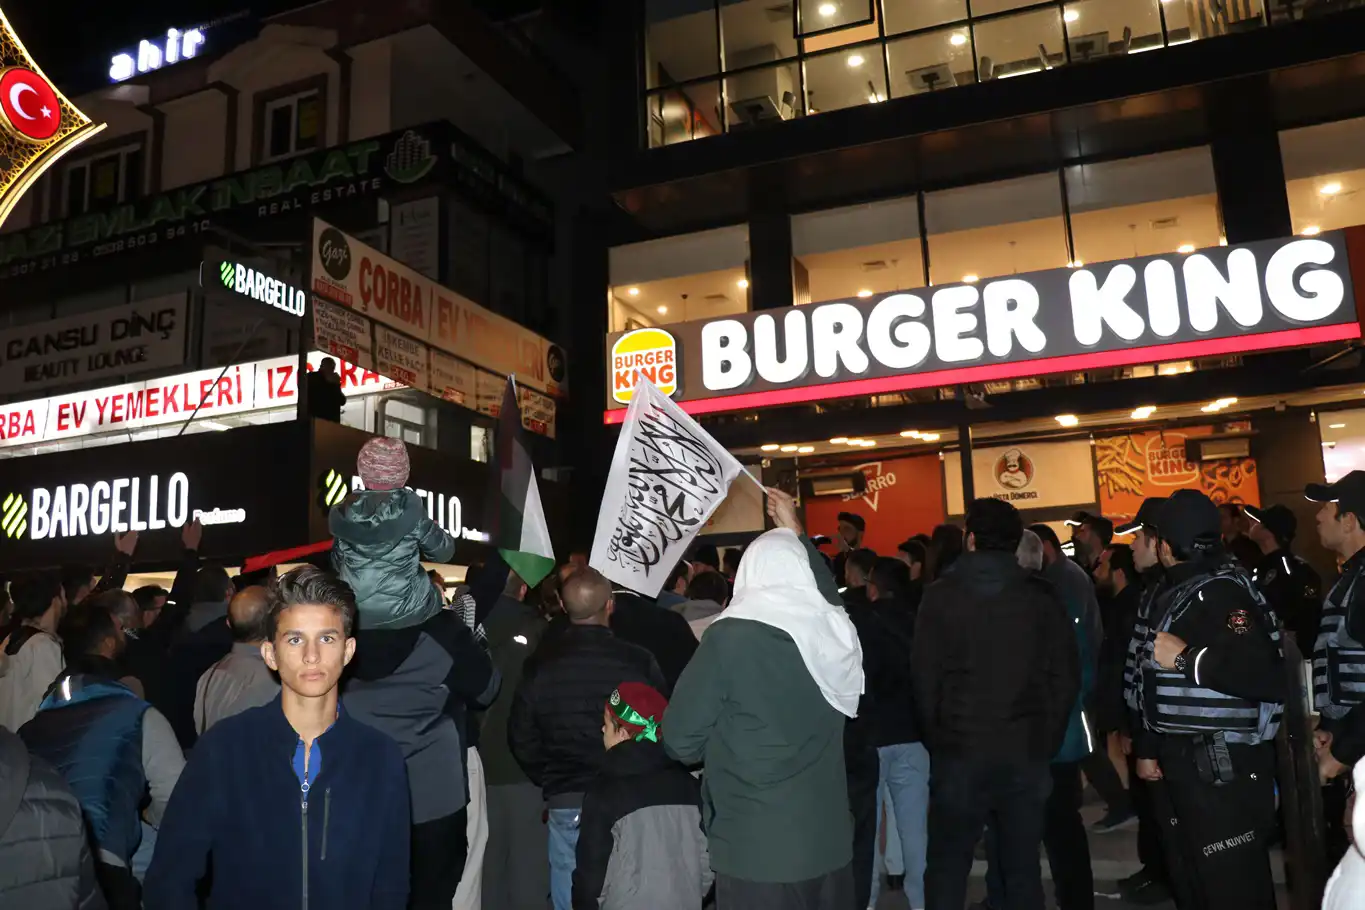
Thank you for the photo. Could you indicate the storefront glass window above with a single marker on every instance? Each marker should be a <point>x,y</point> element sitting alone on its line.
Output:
<point>991,229</point>
<point>1343,442</point>
<point>931,61</point>
<point>1020,45</point>
<point>913,15</point>
<point>857,251</point>
<point>678,279</point>
<point>846,77</point>
<point>761,96</point>
<point>1324,169</point>
<point>1143,206</point>
<point>680,41</point>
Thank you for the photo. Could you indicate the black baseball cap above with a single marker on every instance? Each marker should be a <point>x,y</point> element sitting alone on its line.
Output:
<point>1146,515</point>
<point>1190,520</point>
<point>1277,519</point>
<point>1348,493</point>
<point>854,519</point>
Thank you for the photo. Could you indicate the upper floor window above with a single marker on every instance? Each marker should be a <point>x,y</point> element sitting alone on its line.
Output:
<point>101,180</point>
<point>292,124</point>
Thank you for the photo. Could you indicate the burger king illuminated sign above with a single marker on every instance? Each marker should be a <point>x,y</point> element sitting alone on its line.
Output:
<point>651,353</point>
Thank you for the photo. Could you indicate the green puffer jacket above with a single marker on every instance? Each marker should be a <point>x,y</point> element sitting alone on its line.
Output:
<point>380,538</point>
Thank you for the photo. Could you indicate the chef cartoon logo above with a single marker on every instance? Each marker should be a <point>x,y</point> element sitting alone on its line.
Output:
<point>1014,470</point>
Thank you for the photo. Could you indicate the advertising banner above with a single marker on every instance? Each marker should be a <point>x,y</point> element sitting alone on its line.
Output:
<point>904,497</point>
<point>453,380</point>
<point>66,506</point>
<point>381,288</point>
<point>1034,475</point>
<point>341,332</point>
<point>402,357</point>
<point>1221,300</point>
<point>1136,466</point>
<point>119,341</point>
<point>537,412</point>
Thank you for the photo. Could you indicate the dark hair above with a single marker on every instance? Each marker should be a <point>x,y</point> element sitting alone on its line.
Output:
<point>863,560</point>
<point>679,571</point>
<point>75,577</point>
<point>88,627</point>
<point>212,584</point>
<point>731,557</point>
<point>915,550</point>
<point>946,542</point>
<point>1121,560</point>
<point>707,554</point>
<point>890,575</point>
<point>1047,535</point>
<point>1103,529</point>
<point>709,586</point>
<point>147,594</point>
<point>33,593</point>
<point>1232,509</point>
<point>310,585</point>
<point>258,578</point>
<point>471,574</point>
<point>118,603</point>
<point>994,525</point>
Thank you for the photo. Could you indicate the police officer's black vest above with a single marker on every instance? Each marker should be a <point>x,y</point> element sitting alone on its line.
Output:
<point>1131,678</point>
<point>1174,704</point>
<point>1338,659</point>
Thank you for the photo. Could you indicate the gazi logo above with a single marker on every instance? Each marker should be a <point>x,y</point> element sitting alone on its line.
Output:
<point>262,288</point>
<point>12,515</point>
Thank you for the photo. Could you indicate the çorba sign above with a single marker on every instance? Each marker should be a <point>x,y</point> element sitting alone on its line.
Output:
<point>113,506</point>
<point>38,125</point>
<point>1257,296</point>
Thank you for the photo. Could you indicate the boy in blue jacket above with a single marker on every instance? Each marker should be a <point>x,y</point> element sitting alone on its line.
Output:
<point>296,801</point>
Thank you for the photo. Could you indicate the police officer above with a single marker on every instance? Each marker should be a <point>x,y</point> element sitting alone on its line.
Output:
<point>1339,652</point>
<point>1291,585</point>
<point>1150,884</point>
<point>1213,685</point>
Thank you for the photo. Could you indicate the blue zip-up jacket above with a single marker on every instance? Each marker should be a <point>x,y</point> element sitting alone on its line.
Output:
<point>343,847</point>
<point>1078,742</point>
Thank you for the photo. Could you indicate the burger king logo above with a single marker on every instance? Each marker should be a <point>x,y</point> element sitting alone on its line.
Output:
<point>652,353</point>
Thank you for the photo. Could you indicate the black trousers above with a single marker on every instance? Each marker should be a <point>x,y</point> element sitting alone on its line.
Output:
<point>1220,835</point>
<point>963,794</point>
<point>1104,777</point>
<point>1068,851</point>
<point>833,891</point>
<point>863,773</point>
<point>437,863</point>
<point>1144,795</point>
<point>121,889</point>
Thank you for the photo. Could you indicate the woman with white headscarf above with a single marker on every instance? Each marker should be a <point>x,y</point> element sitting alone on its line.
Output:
<point>763,704</point>
<point>1346,887</point>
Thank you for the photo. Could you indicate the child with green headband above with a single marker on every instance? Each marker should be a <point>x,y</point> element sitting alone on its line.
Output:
<point>640,843</point>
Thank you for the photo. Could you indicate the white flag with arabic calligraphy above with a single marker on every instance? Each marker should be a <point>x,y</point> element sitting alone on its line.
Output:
<point>667,476</point>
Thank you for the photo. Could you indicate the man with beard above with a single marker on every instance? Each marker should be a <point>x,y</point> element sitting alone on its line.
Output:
<point>849,538</point>
<point>1090,534</point>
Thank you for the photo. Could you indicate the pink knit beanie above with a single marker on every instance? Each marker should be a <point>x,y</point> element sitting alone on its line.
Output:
<point>383,464</point>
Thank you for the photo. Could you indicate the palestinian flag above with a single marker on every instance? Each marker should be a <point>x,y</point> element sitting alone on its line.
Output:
<point>521,536</point>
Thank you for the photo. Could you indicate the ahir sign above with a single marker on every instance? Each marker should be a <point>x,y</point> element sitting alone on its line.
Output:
<point>1217,301</point>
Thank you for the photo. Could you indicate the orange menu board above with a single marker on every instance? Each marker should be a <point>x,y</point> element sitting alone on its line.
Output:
<point>1134,467</point>
<point>904,497</point>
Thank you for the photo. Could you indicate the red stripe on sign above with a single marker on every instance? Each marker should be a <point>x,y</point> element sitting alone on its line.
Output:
<point>1183,350</point>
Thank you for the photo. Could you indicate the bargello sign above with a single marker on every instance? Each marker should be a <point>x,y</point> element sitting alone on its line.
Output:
<point>1217,301</point>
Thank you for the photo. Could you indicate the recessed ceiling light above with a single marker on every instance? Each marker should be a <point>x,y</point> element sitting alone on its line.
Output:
<point>1311,231</point>
<point>864,293</point>
<point>805,450</point>
<point>1330,189</point>
<point>1336,426</point>
<point>971,278</point>
<point>662,309</point>
<point>790,448</point>
<point>827,10</point>
<point>855,441</point>
<point>1071,15</point>
<point>868,443</point>
<point>838,440</point>
<point>770,447</point>
<point>910,434</point>
<point>1142,413</point>
<point>929,437</point>
<point>958,39</point>
<point>1068,420</point>
<point>1185,248</point>
<point>855,60</point>
<point>742,284</point>
<point>634,292</point>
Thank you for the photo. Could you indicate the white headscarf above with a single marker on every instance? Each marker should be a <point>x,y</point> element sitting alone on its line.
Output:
<point>775,586</point>
<point>1346,887</point>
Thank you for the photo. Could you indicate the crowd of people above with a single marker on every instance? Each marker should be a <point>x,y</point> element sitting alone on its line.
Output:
<point>777,728</point>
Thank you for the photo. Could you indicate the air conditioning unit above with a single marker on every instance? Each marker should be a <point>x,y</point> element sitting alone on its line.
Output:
<point>1217,448</point>
<point>846,483</point>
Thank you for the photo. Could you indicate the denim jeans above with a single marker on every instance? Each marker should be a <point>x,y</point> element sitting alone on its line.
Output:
<point>563,856</point>
<point>905,778</point>
<point>892,857</point>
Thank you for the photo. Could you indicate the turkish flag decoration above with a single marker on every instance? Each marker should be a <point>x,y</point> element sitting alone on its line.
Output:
<point>29,104</point>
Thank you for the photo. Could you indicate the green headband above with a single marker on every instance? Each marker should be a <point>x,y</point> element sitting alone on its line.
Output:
<point>626,714</point>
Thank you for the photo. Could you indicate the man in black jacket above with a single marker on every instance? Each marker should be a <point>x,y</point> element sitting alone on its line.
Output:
<point>660,631</point>
<point>903,779</point>
<point>1118,584</point>
<point>996,672</point>
<point>1291,585</point>
<point>555,730</point>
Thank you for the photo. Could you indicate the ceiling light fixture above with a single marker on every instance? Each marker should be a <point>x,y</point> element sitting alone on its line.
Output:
<point>1330,189</point>
<point>1311,231</point>
<point>805,450</point>
<point>971,278</point>
<point>790,448</point>
<point>1336,426</point>
<point>1068,420</point>
<point>1142,413</point>
<point>742,284</point>
<point>1071,15</point>
<point>634,292</point>
<point>663,310</point>
<point>855,441</point>
<point>868,443</point>
<point>928,437</point>
<point>958,39</point>
<point>827,10</point>
<point>855,60</point>
<point>864,293</point>
<point>1220,404</point>
<point>838,440</point>
<point>910,434</point>
<point>1185,248</point>
<point>770,447</point>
